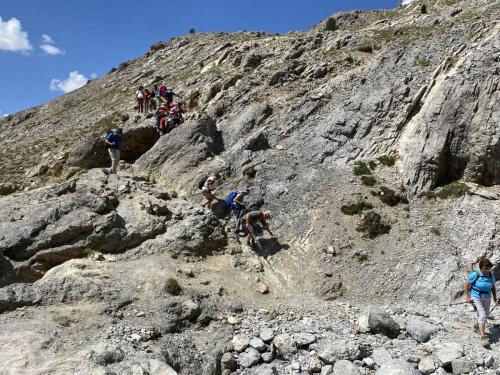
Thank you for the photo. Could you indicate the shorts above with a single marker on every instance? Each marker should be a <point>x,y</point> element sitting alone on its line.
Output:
<point>482,309</point>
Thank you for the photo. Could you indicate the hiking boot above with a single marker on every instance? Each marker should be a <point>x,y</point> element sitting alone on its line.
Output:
<point>485,342</point>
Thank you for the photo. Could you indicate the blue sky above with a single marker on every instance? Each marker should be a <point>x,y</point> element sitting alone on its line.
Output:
<point>51,46</point>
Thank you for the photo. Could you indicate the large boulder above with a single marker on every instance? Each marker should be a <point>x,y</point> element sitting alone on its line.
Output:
<point>419,330</point>
<point>397,367</point>
<point>381,322</point>
<point>344,367</point>
<point>333,351</point>
<point>448,352</point>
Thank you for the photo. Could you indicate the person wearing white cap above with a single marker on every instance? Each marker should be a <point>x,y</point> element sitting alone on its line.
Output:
<point>252,218</point>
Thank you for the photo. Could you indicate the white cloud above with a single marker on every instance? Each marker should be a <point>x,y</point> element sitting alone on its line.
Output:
<point>47,39</point>
<point>74,81</point>
<point>93,75</point>
<point>51,50</point>
<point>49,46</point>
<point>13,38</point>
<point>407,2</point>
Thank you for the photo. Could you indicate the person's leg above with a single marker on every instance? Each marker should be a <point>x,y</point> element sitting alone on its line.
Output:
<point>206,194</point>
<point>113,160</point>
<point>117,158</point>
<point>210,198</point>
<point>482,310</point>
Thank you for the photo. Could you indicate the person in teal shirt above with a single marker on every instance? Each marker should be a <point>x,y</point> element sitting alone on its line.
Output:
<point>479,287</point>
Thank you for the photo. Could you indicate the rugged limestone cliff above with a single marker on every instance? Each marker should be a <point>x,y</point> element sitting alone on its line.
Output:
<point>375,147</point>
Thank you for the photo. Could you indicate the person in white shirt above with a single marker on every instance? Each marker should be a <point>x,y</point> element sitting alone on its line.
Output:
<point>139,95</point>
<point>207,188</point>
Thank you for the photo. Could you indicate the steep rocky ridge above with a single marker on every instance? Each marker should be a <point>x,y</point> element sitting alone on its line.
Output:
<point>290,115</point>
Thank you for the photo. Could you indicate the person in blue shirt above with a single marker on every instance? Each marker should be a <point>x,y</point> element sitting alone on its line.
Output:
<point>479,287</point>
<point>114,142</point>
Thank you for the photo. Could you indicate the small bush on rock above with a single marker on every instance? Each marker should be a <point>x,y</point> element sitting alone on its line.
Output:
<point>361,169</point>
<point>372,225</point>
<point>331,24</point>
<point>453,190</point>
<point>368,180</point>
<point>428,195</point>
<point>435,231</point>
<point>172,287</point>
<point>389,197</point>
<point>423,62</point>
<point>372,164</point>
<point>355,208</point>
<point>368,48</point>
<point>387,160</point>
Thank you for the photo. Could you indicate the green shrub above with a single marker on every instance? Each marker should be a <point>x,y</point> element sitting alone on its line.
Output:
<point>331,24</point>
<point>428,195</point>
<point>387,160</point>
<point>435,231</point>
<point>368,48</point>
<point>389,197</point>
<point>172,287</point>
<point>368,180</point>
<point>355,208</point>
<point>372,164</point>
<point>372,225</point>
<point>453,190</point>
<point>62,320</point>
<point>423,62</point>
<point>108,122</point>
<point>361,169</point>
<point>423,9</point>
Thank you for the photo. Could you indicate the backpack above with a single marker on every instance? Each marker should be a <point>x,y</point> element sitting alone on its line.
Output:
<point>230,197</point>
<point>473,284</point>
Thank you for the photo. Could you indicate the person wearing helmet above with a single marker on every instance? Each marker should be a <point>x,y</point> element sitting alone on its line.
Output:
<point>207,188</point>
<point>253,217</point>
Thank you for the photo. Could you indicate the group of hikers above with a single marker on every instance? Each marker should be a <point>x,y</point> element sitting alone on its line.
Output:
<point>479,287</point>
<point>247,219</point>
<point>160,101</point>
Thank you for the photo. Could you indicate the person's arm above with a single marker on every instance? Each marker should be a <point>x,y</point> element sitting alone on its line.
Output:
<point>248,223</point>
<point>237,200</point>
<point>108,142</point>
<point>265,225</point>
<point>467,286</point>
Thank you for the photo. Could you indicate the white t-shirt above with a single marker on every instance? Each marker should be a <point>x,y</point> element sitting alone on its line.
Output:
<point>139,94</point>
<point>209,183</point>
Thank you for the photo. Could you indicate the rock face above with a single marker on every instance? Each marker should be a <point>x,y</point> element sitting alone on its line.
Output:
<point>337,133</point>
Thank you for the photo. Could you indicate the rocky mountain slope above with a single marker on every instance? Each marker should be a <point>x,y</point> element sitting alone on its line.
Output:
<point>374,146</point>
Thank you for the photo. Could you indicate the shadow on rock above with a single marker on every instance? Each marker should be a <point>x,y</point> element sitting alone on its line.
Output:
<point>269,246</point>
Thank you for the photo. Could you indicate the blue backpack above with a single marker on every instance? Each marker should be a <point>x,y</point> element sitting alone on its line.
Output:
<point>230,197</point>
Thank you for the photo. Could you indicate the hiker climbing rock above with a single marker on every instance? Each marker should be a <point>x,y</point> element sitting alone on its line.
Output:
<point>114,142</point>
<point>139,95</point>
<point>207,188</point>
<point>251,219</point>
<point>479,287</point>
<point>235,201</point>
<point>147,99</point>
<point>161,115</point>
